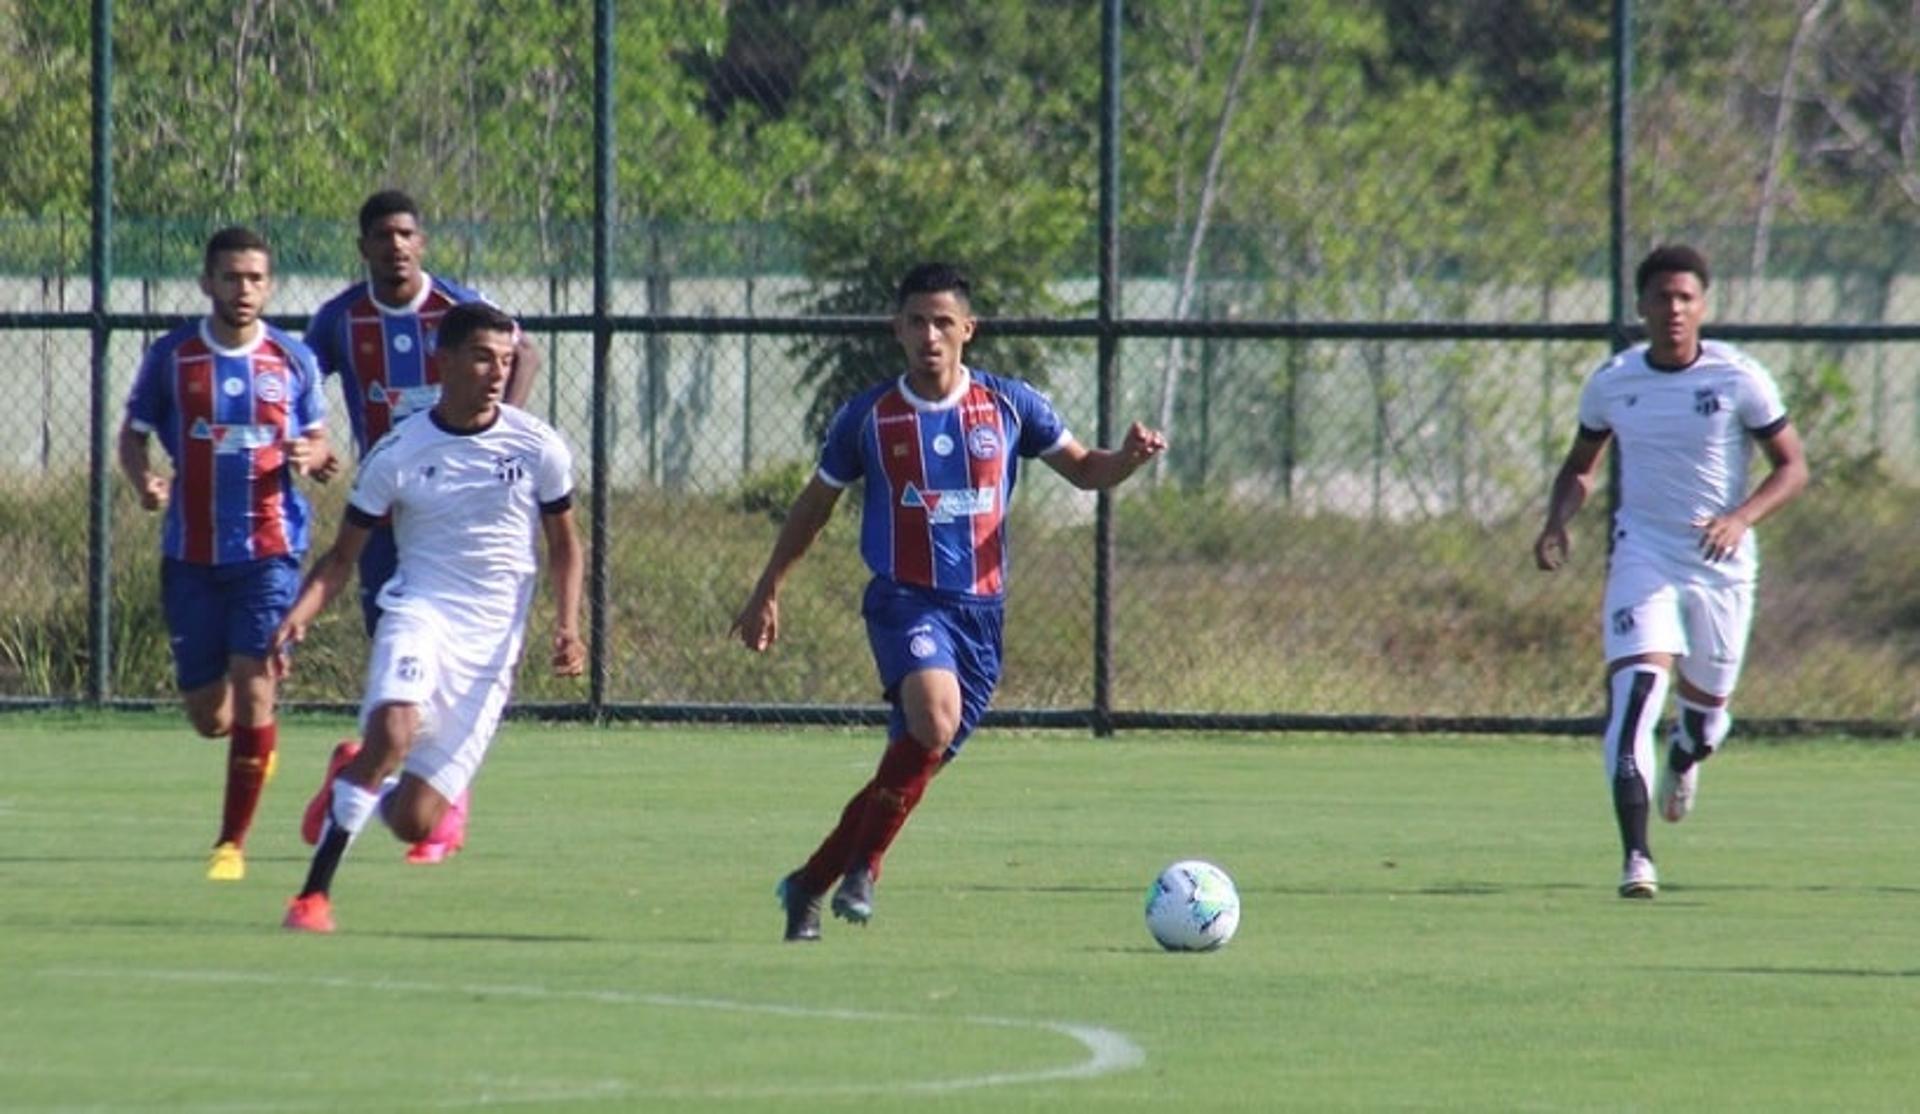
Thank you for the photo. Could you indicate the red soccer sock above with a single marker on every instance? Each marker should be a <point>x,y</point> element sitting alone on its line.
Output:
<point>823,869</point>
<point>248,750</point>
<point>905,771</point>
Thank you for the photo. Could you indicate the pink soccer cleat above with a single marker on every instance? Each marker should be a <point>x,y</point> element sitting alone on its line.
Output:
<point>315,817</point>
<point>309,913</point>
<point>447,837</point>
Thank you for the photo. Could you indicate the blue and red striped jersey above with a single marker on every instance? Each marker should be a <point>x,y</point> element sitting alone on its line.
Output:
<point>380,352</point>
<point>939,476</point>
<point>225,416</point>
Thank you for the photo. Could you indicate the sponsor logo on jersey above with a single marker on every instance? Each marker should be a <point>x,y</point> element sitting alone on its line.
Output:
<point>402,343</point>
<point>955,503</point>
<point>920,646</point>
<point>232,387</point>
<point>233,437</point>
<point>942,445</point>
<point>402,401</point>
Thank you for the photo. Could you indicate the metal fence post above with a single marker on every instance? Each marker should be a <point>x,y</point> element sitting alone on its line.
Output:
<point>1109,344</point>
<point>603,203</point>
<point>99,469</point>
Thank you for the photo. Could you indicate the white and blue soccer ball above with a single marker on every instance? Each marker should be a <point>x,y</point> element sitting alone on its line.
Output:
<point>1193,907</point>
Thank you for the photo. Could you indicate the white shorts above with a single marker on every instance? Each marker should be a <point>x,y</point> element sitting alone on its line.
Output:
<point>460,705</point>
<point>1654,606</point>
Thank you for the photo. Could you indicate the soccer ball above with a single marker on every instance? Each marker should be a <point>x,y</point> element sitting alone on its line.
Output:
<point>1192,907</point>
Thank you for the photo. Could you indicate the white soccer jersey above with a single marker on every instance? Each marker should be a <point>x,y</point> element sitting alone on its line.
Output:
<point>466,509</point>
<point>1685,443</point>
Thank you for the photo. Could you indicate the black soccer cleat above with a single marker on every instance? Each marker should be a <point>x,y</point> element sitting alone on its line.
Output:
<point>802,908</point>
<point>853,901</point>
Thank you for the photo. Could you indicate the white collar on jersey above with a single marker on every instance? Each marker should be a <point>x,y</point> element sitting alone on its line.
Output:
<point>413,306</point>
<point>259,334</point>
<point>953,397</point>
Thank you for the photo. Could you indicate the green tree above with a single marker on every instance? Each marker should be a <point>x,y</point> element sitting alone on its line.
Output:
<point>953,132</point>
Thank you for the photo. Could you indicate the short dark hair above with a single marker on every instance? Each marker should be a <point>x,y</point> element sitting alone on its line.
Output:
<point>384,204</point>
<point>1671,259</point>
<point>933,278</point>
<point>234,237</point>
<point>468,318</point>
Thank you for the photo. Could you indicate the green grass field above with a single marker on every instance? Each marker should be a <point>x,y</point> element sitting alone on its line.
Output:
<point>1428,924</point>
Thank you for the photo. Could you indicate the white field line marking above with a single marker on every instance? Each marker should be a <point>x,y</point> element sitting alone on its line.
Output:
<point>1108,1051</point>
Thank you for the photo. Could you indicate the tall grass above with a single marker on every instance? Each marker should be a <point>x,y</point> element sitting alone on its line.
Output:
<point>1219,606</point>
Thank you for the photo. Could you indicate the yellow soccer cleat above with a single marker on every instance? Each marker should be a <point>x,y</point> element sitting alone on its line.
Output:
<point>227,864</point>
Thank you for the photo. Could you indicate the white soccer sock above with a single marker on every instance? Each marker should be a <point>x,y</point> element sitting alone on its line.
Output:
<point>353,805</point>
<point>1702,728</point>
<point>1639,692</point>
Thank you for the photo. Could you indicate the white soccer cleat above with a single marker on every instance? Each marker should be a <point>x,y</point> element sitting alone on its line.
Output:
<point>1639,879</point>
<point>1675,792</point>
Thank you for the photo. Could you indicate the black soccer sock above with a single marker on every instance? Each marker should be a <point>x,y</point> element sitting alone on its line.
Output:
<point>326,859</point>
<point>1630,810</point>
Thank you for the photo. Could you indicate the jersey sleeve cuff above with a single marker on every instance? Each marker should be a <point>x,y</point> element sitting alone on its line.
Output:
<point>1066,435</point>
<point>830,479</point>
<point>1588,433</point>
<point>558,506</point>
<point>1771,429</point>
<point>362,518</point>
<point>138,426</point>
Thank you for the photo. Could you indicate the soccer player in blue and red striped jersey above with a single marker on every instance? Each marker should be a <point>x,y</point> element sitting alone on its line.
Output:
<point>939,448</point>
<point>236,404</point>
<point>377,336</point>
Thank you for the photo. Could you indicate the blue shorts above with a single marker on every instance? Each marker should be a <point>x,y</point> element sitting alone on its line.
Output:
<point>377,562</point>
<point>216,611</point>
<point>911,629</point>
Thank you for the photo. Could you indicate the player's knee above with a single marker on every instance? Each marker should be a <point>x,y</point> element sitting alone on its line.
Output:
<point>1703,727</point>
<point>936,732</point>
<point>210,723</point>
<point>411,820</point>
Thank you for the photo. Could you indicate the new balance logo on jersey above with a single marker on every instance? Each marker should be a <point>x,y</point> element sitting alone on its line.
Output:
<point>233,438</point>
<point>508,469</point>
<point>1706,403</point>
<point>946,506</point>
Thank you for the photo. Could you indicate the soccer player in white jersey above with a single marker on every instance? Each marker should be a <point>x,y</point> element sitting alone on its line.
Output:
<point>1680,582</point>
<point>470,485</point>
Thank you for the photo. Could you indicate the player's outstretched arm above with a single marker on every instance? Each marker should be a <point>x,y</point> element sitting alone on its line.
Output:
<point>1098,469</point>
<point>566,569</point>
<point>1571,487</point>
<point>323,582</point>
<point>758,623</point>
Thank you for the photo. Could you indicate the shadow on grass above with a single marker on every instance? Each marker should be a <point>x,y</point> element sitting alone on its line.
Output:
<point>481,937</point>
<point>1809,972</point>
<point>1473,888</point>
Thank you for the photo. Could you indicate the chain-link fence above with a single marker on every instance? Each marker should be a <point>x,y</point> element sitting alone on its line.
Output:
<point>1355,258</point>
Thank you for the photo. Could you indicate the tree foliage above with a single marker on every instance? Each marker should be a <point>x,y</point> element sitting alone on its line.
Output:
<point>1387,133</point>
